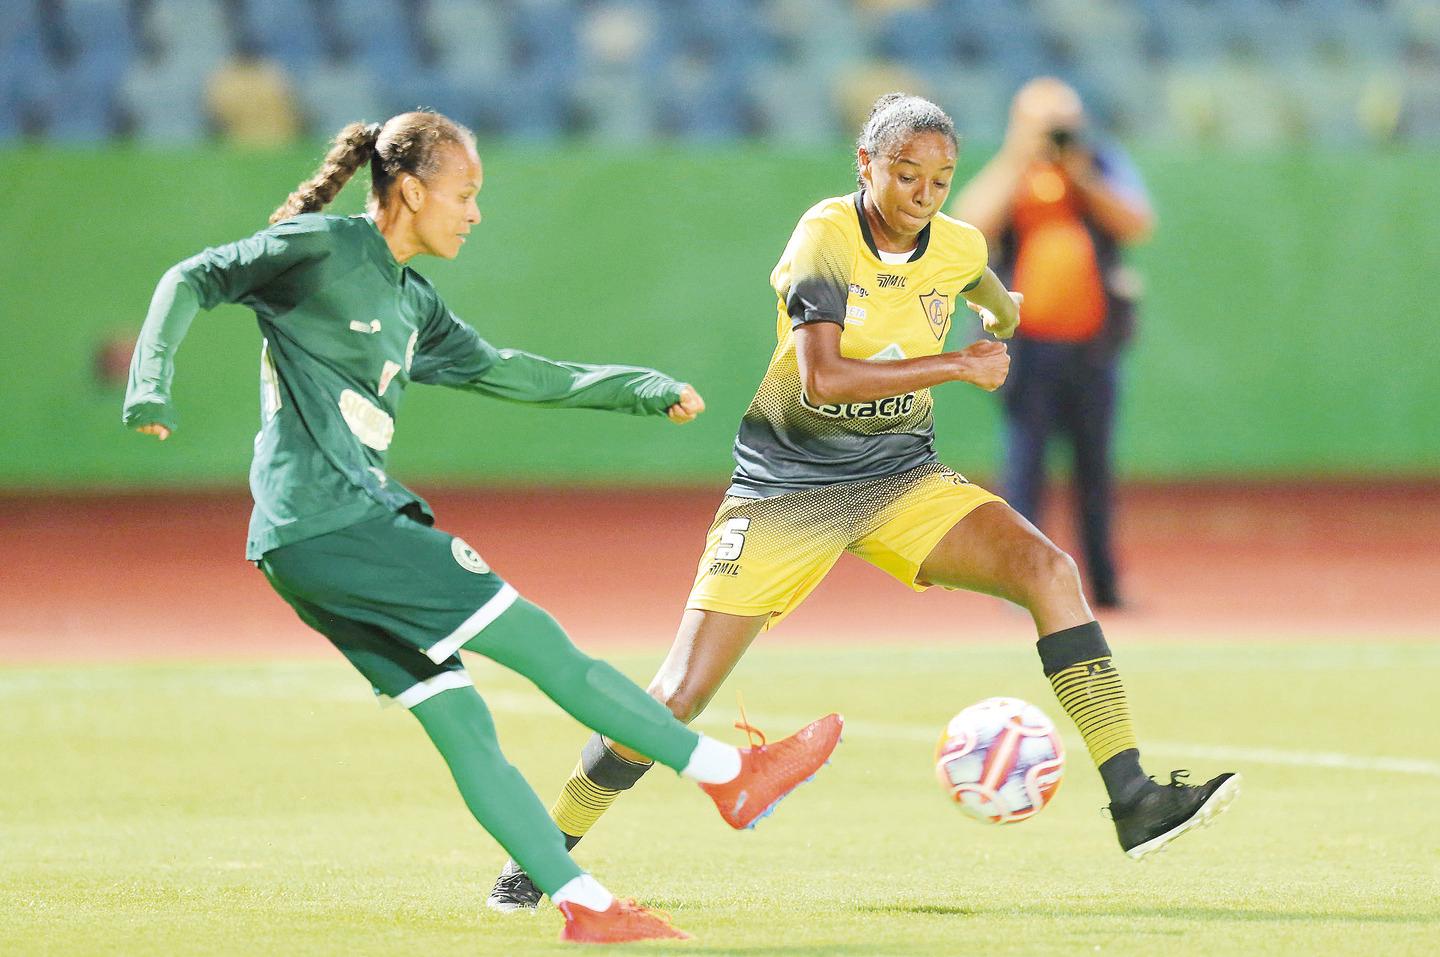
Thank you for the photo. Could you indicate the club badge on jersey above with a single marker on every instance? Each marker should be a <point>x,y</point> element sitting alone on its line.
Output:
<point>467,557</point>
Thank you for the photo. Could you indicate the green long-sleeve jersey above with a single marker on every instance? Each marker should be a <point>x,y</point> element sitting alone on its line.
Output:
<point>345,328</point>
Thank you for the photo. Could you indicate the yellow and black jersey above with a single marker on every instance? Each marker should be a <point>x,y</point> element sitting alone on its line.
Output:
<point>832,272</point>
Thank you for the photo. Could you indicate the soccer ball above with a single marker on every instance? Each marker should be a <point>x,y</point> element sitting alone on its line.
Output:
<point>1001,760</point>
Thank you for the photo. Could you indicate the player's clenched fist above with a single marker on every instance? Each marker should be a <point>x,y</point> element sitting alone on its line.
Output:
<point>985,363</point>
<point>689,406</point>
<point>155,429</point>
<point>1000,326</point>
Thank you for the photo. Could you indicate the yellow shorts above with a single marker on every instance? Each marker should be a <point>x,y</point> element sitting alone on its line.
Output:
<point>765,555</point>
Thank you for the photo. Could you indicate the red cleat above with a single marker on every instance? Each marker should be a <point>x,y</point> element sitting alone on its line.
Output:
<point>623,922</point>
<point>769,772</point>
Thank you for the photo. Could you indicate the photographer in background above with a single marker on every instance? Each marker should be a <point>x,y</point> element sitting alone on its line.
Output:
<point>1057,206</point>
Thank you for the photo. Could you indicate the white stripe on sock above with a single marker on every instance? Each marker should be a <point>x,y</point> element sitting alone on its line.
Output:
<point>712,762</point>
<point>585,891</point>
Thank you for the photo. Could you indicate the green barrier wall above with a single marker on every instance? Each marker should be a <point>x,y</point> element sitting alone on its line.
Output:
<point>1290,327</point>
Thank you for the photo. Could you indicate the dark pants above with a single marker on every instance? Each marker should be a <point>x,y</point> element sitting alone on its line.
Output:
<point>1066,389</point>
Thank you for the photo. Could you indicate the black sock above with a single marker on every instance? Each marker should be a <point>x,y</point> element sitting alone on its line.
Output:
<point>1124,778</point>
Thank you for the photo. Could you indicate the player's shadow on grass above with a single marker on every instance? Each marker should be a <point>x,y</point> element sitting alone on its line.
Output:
<point>804,950</point>
<point>1173,913</point>
<point>939,910</point>
<point>1256,914</point>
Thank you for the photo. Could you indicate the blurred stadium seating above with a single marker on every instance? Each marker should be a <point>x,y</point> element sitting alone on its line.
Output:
<point>1250,73</point>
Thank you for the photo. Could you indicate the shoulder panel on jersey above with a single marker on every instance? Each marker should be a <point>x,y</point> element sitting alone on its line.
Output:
<point>833,212</point>
<point>307,223</point>
<point>307,236</point>
<point>813,277</point>
<point>957,240</point>
<point>427,298</point>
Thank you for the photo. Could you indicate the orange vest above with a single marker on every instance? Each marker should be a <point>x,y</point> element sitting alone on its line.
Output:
<point>1055,264</point>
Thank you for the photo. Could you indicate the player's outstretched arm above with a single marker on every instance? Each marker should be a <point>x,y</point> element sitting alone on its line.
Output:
<point>450,352</point>
<point>220,274</point>
<point>524,377</point>
<point>998,307</point>
<point>829,378</point>
<point>148,407</point>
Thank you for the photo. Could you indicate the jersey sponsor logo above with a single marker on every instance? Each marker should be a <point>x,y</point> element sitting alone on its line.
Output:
<point>467,557</point>
<point>859,292</point>
<point>891,408</point>
<point>369,423</point>
<point>387,374</point>
<point>269,383</point>
<point>888,280</point>
<point>369,328</point>
<point>954,477</point>
<point>892,351</point>
<point>937,312</point>
<point>725,569</point>
<point>856,314</point>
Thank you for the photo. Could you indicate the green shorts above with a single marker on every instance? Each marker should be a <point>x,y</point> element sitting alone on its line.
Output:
<point>397,597</point>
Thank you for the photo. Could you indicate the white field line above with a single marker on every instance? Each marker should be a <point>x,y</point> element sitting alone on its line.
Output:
<point>518,703</point>
<point>288,683</point>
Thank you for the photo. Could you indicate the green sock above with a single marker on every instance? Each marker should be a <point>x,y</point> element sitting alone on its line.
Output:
<point>459,724</point>
<point>527,640</point>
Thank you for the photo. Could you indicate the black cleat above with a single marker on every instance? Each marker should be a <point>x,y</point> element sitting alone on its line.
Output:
<point>513,890</point>
<point>1164,812</point>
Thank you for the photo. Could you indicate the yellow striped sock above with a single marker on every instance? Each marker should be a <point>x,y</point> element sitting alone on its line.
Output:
<point>581,803</point>
<point>1093,696</point>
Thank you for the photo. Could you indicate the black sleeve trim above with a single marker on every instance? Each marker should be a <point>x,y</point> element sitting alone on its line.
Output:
<point>817,300</point>
<point>809,319</point>
<point>975,282</point>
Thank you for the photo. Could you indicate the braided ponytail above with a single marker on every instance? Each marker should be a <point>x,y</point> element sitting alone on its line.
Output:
<point>353,146</point>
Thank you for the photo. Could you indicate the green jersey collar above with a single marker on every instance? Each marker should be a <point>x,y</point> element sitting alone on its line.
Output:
<point>380,251</point>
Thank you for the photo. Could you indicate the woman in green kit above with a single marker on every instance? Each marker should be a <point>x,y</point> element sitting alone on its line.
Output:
<point>346,326</point>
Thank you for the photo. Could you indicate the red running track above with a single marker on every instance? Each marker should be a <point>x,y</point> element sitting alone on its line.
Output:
<point>119,576</point>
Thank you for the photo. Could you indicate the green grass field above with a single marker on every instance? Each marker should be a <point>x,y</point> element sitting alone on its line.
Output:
<point>222,808</point>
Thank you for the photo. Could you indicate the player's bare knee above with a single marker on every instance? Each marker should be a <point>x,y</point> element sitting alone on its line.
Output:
<point>1062,575</point>
<point>685,705</point>
<point>1047,572</point>
<point>684,696</point>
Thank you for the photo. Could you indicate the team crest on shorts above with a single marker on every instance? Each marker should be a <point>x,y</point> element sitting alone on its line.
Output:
<point>937,312</point>
<point>467,557</point>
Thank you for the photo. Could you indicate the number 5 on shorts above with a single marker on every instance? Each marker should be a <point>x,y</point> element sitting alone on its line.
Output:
<point>732,540</point>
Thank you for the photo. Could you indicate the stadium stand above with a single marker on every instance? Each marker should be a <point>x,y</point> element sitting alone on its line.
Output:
<point>1251,73</point>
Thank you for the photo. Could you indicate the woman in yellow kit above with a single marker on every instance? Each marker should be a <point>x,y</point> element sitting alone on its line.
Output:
<point>836,453</point>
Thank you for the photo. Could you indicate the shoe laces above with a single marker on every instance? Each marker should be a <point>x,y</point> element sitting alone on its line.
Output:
<point>628,905</point>
<point>511,880</point>
<point>1177,780</point>
<point>744,724</point>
